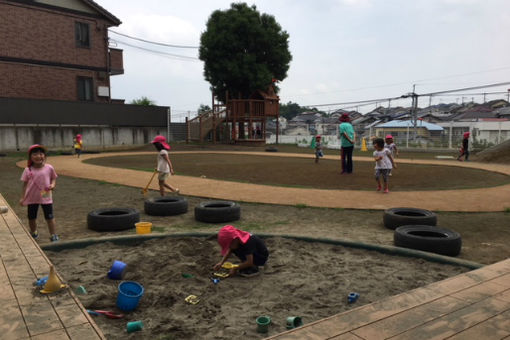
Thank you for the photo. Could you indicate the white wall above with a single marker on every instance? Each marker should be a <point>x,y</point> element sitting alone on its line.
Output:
<point>14,138</point>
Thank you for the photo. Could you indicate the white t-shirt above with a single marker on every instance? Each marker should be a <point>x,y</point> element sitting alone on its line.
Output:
<point>385,162</point>
<point>162,163</point>
<point>392,147</point>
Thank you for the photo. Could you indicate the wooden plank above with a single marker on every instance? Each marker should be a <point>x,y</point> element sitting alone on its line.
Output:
<point>410,318</point>
<point>479,292</point>
<point>497,327</point>
<point>457,321</point>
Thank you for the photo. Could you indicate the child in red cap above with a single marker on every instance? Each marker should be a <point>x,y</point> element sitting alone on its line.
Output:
<point>250,249</point>
<point>390,145</point>
<point>165,167</point>
<point>39,180</point>
<point>464,150</point>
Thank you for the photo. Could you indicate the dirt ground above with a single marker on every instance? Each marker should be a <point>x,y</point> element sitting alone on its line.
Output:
<point>485,236</point>
<point>302,172</point>
<point>485,240</point>
<point>310,280</point>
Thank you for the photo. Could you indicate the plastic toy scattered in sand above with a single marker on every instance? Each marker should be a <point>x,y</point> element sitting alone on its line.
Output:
<point>229,265</point>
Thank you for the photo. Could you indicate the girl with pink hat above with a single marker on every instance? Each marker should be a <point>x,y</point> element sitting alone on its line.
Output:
<point>250,249</point>
<point>165,167</point>
<point>39,180</point>
<point>390,145</point>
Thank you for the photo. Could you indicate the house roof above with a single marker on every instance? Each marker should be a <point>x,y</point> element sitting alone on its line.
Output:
<point>408,123</point>
<point>103,11</point>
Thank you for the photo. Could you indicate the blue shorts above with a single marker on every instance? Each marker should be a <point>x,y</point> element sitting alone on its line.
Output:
<point>382,172</point>
<point>47,209</point>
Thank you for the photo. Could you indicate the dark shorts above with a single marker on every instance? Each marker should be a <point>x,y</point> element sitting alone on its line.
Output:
<point>47,209</point>
<point>382,173</point>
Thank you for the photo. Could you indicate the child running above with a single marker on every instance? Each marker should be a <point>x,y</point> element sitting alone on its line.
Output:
<point>383,164</point>
<point>39,180</point>
<point>318,148</point>
<point>165,167</point>
<point>250,249</point>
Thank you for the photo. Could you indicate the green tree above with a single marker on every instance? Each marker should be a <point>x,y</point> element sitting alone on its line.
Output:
<point>203,108</point>
<point>243,51</point>
<point>143,101</point>
<point>291,110</point>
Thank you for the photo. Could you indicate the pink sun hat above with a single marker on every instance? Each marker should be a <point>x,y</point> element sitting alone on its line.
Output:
<point>162,140</point>
<point>229,233</point>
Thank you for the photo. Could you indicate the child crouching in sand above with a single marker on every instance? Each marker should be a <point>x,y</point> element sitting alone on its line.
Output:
<point>250,249</point>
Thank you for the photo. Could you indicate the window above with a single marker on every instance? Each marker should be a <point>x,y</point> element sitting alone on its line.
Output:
<point>81,33</point>
<point>85,89</point>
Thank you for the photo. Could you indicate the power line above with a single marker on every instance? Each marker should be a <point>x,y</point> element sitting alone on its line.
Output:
<point>464,89</point>
<point>152,42</point>
<point>158,52</point>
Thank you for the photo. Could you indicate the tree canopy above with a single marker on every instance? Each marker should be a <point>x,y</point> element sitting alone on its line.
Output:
<point>143,101</point>
<point>243,51</point>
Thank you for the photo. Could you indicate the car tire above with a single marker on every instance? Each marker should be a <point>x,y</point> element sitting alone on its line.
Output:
<point>166,206</point>
<point>428,238</point>
<point>396,217</point>
<point>112,219</point>
<point>217,211</point>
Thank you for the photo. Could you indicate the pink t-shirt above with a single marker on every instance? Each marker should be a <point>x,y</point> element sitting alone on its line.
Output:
<point>39,179</point>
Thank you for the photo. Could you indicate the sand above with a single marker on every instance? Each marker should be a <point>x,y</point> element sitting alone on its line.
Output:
<point>310,280</point>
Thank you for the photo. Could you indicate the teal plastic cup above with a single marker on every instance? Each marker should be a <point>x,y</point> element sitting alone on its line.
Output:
<point>263,324</point>
<point>134,326</point>
<point>294,321</point>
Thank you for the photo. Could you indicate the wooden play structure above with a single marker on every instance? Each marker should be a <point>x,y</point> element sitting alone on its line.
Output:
<point>239,121</point>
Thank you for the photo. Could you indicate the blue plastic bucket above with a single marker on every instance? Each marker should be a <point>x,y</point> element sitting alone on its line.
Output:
<point>117,270</point>
<point>130,293</point>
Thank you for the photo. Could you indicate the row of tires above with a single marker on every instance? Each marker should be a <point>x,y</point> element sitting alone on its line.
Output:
<point>417,229</point>
<point>116,219</point>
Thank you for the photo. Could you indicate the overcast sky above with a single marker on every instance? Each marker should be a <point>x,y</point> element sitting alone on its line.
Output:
<point>343,50</point>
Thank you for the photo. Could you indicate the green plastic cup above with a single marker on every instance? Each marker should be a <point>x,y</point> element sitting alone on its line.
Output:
<point>263,324</point>
<point>134,326</point>
<point>294,321</point>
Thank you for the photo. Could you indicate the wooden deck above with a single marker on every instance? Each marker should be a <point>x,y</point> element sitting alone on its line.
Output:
<point>473,305</point>
<point>25,313</point>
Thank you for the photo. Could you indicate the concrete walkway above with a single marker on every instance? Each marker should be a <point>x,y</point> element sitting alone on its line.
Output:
<point>25,313</point>
<point>475,200</point>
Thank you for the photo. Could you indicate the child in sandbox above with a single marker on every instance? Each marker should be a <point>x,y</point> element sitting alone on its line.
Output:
<point>165,167</point>
<point>250,249</point>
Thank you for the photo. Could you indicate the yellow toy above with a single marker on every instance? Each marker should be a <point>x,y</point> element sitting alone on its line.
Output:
<point>53,284</point>
<point>229,265</point>
<point>192,299</point>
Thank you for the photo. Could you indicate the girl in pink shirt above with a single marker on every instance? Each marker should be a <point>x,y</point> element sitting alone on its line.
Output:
<point>39,179</point>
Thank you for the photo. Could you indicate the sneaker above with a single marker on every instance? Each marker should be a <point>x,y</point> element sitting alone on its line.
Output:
<point>249,272</point>
<point>386,191</point>
<point>54,238</point>
<point>177,191</point>
<point>379,188</point>
<point>35,234</point>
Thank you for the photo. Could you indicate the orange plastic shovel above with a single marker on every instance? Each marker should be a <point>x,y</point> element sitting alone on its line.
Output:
<point>144,190</point>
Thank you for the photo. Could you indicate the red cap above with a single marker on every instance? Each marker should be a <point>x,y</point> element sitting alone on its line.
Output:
<point>162,140</point>
<point>318,137</point>
<point>344,118</point>
<point>229,233</point>
<point>389,137</point>
<point>32,147</point>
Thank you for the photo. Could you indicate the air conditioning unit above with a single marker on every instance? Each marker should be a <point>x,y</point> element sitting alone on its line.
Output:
<point>103,91</point>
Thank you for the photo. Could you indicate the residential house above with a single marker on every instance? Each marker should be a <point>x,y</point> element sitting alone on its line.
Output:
<point>57,50</point>
<point>404,130</point>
